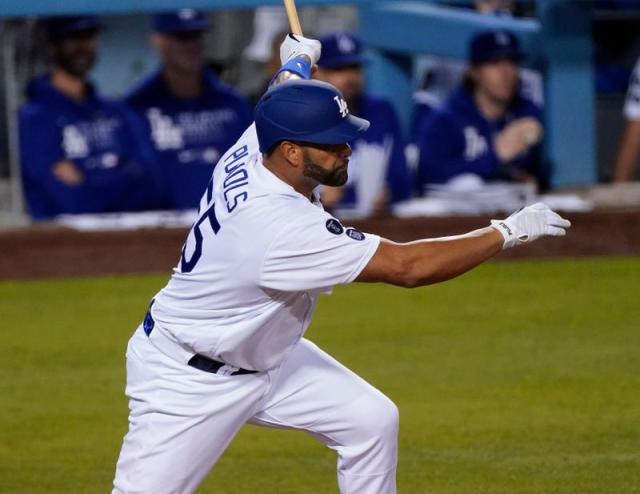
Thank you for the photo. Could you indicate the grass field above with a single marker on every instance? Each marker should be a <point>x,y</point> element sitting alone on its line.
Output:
<point>521,377</point>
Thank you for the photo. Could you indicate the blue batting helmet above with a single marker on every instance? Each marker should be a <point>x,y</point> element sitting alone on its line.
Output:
<point>306,111</point>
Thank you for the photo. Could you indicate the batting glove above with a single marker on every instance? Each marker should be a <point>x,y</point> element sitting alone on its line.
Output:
<point>530,223</point>
<point>295,45</point>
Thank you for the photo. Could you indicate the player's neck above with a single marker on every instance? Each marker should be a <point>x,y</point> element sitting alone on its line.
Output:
<point>289,176</point>
<point>183,85</point>
<point>71,86</point>
<point>490,108</point>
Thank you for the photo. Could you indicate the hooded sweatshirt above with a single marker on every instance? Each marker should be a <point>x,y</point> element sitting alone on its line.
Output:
<point>94,135</point>
<point>187,136</point>
<point>457,139</point>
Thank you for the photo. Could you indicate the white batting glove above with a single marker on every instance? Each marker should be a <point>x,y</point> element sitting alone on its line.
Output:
<point>295,45</point>
<point>530,223</point>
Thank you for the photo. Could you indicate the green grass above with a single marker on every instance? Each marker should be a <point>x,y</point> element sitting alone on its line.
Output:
<point>520,377</point>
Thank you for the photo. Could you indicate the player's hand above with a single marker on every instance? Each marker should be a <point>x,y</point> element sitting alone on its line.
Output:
<point>295,45</point>
<point>68,173</point>
<point>517,137</point>
<point>530,223</point>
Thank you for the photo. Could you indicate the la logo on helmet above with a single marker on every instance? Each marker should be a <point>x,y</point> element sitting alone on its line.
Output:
<point>342,106</point>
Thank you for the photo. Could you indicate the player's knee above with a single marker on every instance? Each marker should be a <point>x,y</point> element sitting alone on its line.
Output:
<point>379,418</point>
<point>389,418</point>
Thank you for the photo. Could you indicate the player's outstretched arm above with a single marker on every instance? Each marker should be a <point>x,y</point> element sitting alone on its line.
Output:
<point>429,261</point>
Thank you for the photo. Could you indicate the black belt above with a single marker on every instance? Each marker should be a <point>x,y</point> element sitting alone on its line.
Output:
<point>198,361</point>
<point>209,365</point>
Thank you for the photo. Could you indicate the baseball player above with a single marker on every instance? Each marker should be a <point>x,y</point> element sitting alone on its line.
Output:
<point>186,116</point>
<point>222,344</point>
<point>380,149</point>
<point>76,148</point>
<point>486,127</point>
<point>629,148</point>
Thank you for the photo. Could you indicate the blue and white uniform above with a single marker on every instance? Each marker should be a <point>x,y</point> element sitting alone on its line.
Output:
<point>632,101</point>
<point>222,304</point>
<point>96,137</point>
<point>457,139</point>
<point>186,137</point>
<point>238,304</point>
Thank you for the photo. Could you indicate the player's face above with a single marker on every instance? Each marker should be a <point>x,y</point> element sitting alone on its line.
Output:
<point>76,54</point>
<point>490,6</point>
<point>498,80</point>
<point>348,80</point>
<point>182,52</point>
<point>327,164</point>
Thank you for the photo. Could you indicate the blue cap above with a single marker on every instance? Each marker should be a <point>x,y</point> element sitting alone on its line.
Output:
<point>340,49</point>
<point>306,111</point>
<point>183,20</point>
<point>62,27</point>
<point>488,46</point>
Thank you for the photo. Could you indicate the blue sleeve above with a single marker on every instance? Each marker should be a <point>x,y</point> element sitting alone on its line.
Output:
<point>398,177</point>
<point>442,145</point>
<point>40,149</point>
<point>245,113</point>
<point>140,155</point>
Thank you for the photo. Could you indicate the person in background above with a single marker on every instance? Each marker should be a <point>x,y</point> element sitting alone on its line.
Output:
<point>186,116</point>
<point>77,150</point>
<point>504,7</point>
<point>378,172</point>
<point>486,127</point>
<point>437,76</point>
<point>629,148</point>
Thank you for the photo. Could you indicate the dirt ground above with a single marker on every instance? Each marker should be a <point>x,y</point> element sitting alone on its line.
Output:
<point>45,251</point>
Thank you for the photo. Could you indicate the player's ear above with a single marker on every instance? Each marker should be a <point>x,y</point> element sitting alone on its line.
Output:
<point>292,152</point>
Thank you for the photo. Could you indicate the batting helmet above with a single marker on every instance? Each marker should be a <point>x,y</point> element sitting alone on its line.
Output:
<point>307,111</point>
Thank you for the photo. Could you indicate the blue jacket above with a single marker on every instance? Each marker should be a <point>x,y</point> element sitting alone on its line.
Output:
<point>185,137</point>
<point>384,126</point>
<point>457,139</point>
<point>96,137</point>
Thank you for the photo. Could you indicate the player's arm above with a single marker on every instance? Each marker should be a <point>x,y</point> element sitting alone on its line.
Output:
<point>425,262</point>
<point>298,56</point>
<point>628,153</point>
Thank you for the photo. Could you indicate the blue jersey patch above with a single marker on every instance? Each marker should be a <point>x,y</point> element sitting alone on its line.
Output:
<point>355,234</point>
<point>334,226</point>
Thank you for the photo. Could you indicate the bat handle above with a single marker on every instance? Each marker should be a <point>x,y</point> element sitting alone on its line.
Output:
<point>292,14</point>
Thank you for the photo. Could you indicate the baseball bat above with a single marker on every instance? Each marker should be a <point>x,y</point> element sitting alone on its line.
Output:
<point>292,14</point>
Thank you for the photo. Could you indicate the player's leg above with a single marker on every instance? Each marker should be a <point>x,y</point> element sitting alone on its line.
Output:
<point>313,392</point>
<point>181,420</point>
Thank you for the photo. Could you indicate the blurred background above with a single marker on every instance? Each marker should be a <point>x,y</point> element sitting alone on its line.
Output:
<point>401,64</point>
<point>519,377</point>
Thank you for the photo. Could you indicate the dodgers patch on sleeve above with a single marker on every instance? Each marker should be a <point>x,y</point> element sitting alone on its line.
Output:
<point>355,234</point>
<point>334,226</point>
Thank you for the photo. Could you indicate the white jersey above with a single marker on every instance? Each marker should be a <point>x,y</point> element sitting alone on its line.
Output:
<point>254,263</point>
<point>632,102</point>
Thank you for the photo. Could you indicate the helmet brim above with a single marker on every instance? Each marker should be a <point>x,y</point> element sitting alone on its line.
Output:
<point>346,131</point>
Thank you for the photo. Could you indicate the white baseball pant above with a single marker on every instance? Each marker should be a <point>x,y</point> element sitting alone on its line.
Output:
<point>182,419</point>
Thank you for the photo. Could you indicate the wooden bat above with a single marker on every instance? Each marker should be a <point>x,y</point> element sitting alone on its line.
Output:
<point>292,14</point>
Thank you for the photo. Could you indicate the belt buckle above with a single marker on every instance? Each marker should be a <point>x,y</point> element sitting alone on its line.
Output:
<point>227,370</point>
